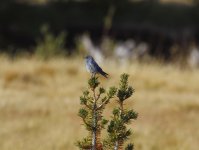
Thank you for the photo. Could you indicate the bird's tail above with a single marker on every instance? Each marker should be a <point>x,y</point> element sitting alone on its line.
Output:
<point>104,74</point>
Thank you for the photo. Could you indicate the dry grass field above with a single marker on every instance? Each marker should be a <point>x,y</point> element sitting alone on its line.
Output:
<point>39,102</point>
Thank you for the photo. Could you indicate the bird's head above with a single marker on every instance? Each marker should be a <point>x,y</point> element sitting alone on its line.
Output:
<point>88,57</point>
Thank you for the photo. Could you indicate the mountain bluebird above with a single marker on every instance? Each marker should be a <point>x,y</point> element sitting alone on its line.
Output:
<point>93,67</point>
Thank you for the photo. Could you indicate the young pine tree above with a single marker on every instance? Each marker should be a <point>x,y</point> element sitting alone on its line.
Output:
<point>93,103</point>
<point>117,130</point>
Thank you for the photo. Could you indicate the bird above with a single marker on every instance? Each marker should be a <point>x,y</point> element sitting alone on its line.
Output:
<point>93,67</point>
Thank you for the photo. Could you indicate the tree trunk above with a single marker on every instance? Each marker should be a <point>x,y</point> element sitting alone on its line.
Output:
<point>94,134</point>
<point>116,145</point>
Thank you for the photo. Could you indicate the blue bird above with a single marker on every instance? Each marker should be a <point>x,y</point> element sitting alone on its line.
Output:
<point>93,67</point>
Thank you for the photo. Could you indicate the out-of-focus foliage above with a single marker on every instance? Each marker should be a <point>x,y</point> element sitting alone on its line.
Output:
<point>50,46</point>
<point>169,29</point>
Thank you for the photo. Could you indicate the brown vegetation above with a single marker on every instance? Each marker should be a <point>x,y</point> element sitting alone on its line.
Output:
<point>39,102</point>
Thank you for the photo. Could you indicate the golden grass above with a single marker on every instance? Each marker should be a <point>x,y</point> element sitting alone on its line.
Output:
<point>39,102</point>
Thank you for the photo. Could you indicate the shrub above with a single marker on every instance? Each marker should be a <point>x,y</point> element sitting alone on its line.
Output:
<point>50,46</point>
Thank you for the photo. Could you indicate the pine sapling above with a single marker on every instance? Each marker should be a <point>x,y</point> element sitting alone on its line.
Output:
<point>93,102</point>
<point>117,128</point>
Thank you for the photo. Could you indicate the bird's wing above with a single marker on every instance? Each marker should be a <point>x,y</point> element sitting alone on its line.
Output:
<point>96,66</point>
<point>100,71</point>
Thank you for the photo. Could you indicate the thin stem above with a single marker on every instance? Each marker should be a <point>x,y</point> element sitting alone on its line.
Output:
<point>121,107</point>
<point>94,95</point>
<point>119,142</point>
<point>94,131</point>
<point>103,103</point>
<point>98,96</point>
<point>116,145</point>
<point>94,134</point>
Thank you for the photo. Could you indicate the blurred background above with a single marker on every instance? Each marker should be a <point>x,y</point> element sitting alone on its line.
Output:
<point>163,29</point>
<point>42,72</point>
